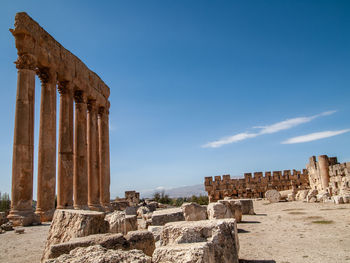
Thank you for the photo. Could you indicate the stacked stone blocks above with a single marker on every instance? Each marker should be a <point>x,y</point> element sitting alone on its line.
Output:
<point>254,186</point>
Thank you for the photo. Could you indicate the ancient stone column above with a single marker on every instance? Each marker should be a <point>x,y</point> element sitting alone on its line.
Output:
<point>93,157</point>
<point>324,170</point>
<point>80,178</point>
<point>23,143</point>
<point>103,133</point>
<point>47,146</point>
<point>65,147</point>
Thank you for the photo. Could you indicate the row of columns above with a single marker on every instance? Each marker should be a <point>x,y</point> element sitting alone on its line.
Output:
<point>83,172</point>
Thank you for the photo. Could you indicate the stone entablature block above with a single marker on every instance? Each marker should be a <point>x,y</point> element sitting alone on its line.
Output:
<point>46,52</point>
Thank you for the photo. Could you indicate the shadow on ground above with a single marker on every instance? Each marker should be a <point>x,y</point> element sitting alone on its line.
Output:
<point>250,222</point>
<point>240,230</point>
<point>260,214</point>
<point>41,224</point>
<point>256,261</point>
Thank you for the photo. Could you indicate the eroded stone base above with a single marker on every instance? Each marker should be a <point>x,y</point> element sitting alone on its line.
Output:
<point>96,207</point>
<point>45,216</point>
<point>23,218</point>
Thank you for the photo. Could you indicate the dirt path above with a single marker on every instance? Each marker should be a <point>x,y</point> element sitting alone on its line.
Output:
<point>287,233</point>
<point>26,247</point>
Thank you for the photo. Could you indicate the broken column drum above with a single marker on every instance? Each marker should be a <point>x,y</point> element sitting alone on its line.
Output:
<point>83,154</point>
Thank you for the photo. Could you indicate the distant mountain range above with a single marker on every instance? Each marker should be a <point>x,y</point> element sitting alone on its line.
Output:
<point>184,191</point>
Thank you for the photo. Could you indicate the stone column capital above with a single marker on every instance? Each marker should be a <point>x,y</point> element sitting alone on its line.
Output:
<point>103,111</point>
<point>91,105</point>
<point>46,75</point>
<point>26,61</point>
<point>64,87</point>
<point>79,96</point>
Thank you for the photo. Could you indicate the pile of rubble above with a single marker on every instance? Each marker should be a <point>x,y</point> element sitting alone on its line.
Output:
<point>190,233</point>
<point>5,225</point>
<point>308,195</point>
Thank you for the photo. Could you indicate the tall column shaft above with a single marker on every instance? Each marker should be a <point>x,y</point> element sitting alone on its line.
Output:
<point>103,128</point>
<point>93,157</point>
<point>65,148</point>
<point>80,179</point>
<point>23,144</point>
<point>47,147</point>
<point>324,170</point>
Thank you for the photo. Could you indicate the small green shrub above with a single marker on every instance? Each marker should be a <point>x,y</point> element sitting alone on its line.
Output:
<point>5,202</point>
<point>323,222</point>
<point>297,213</point>
<point>163,198</point>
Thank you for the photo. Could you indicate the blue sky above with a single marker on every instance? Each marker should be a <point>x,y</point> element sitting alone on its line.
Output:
<point>200,88</point>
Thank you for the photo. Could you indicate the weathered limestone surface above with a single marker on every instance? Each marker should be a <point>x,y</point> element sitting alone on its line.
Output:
<point>119,222</point>
<point>219,211</point>
<point>312,196</point>
<point>273,196</point>
<point>199,241</point>
<point>284,194</point>
<point>235,207</point>
<point>97,253</point>
<point>152,206</point>
<point>301,195</point>
<point>156,231</point>
<point>142,210</point>
<point>68,224</point>
<point>142,240</point>
<point>132,198</point>
<point>247,206</point>
<point>323,197</point>
<point>194,212</point>
<point>8,226</point>
<point>131,210</point>
<point>161,217</point>
<point>109,241</point>
<point>291,197</point>
<point>346,199</point>
<point>145,221</point>
<point>185,253</point>
<point>338,199</point>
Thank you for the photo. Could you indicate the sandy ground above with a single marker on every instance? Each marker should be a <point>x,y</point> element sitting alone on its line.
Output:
<point>281,232</point>
<point>286,233</point>
<point>26,247</point>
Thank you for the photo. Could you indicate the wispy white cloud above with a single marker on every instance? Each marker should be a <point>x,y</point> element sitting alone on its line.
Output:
<point>268,129</point>
<point>290,123</point>
<point>314,136</point>
<point>231,139</point>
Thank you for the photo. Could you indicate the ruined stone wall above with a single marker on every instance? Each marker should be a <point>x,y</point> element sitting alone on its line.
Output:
<point>327,174</point>
<point>254,186</point>
<point>132,197</point>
